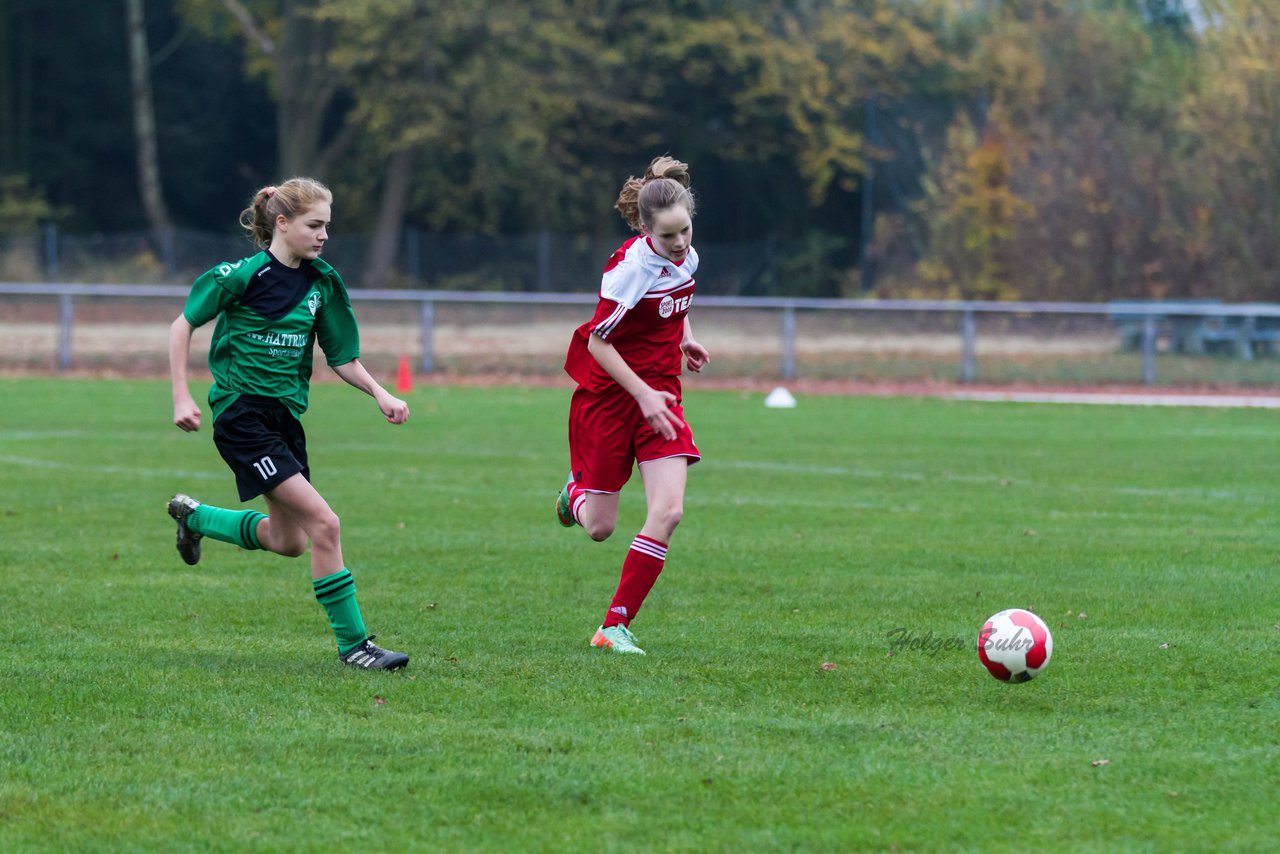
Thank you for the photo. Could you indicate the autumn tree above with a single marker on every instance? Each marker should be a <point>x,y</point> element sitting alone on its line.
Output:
<point>1233,113</point>
<point>1083,99</point>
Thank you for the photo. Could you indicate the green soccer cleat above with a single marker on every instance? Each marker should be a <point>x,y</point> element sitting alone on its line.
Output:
<point>616,639</point>
<point>564,508</point>
<point>180,508</point>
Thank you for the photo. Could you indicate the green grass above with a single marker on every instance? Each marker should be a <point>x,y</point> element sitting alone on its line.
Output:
<point>147,705</point>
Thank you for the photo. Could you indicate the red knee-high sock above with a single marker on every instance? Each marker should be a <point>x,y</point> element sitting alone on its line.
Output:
<point>577,495</point>
<point>640,570</point>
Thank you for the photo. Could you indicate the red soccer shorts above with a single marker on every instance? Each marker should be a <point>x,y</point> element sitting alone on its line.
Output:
<point>607,435</point>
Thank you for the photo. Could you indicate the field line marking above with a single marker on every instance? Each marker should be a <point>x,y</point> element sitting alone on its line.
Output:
<point>1221,401</point>
<point>1208,493</point>
<point>90,467</point>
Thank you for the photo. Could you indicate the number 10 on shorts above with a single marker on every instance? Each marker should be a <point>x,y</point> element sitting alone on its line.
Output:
<point>266,467</point>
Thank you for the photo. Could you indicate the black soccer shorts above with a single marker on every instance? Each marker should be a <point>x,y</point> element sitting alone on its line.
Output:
<point>262,443</point>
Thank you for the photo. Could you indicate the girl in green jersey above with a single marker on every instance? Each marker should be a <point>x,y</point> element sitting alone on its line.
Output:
<point>271,309</point>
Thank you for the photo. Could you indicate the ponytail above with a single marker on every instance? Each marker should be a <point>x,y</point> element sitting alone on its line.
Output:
<point>288,200</point>
<point>665,183</point>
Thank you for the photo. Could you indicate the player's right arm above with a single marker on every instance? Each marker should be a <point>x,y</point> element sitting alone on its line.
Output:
<point>211,294</point>
<point>654,405</point>
<point>624,282</point>
<point>186,413</point>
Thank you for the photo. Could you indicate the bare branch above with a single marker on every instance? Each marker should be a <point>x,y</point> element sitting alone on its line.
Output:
<point>236,8</point>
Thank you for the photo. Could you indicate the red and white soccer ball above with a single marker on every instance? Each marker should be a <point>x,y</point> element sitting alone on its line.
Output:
<point>1015,645</point>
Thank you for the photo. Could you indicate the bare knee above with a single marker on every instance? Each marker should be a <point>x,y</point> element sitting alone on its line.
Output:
<point>282,538</point>
<point>665,517</point>
<point>600,531</point>
<point>293,546</point>
<point>326,530</point>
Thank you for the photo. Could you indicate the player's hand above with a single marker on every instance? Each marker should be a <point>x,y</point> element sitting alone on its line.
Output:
<point>186,414</point>
<point>393,409</point>
<point>655,406</point>
<point>695,355</point>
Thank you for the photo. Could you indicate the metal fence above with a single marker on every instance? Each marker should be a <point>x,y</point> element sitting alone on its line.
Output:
<point>782,337</point>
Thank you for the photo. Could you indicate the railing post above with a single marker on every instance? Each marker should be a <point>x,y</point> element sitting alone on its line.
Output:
<point>1244,346</point>
<point>968,360</point>
<point>787,365</point>
<point>426,336</point>
<point>66,323</point>
<point>1149,349</point>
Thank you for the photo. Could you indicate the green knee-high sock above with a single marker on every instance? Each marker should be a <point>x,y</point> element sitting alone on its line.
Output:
<point>337,593</point>
<point>230,526</point>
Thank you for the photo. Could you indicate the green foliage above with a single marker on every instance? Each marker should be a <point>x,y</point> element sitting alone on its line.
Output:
<point>153,706</point>
<point>527,116</point>
<point>492,100</point>
<point>1135,142</point>
<point>22,209</point>
<point>810,269</point>
<point>22,206</point>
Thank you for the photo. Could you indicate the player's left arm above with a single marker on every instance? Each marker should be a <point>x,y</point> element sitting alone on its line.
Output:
<point>695,355</point>
<point>393,408</point>
<point>339,337</point>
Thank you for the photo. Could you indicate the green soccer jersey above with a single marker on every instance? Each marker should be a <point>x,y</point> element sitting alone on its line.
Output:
<point>270,317</point>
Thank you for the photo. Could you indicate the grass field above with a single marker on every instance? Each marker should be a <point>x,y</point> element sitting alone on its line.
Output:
<point>147,705</point>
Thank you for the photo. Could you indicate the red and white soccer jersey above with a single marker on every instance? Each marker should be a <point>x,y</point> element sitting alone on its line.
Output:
<point>643,302</point>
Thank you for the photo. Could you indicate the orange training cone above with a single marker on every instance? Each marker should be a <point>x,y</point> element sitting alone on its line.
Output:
<point>404,377</point>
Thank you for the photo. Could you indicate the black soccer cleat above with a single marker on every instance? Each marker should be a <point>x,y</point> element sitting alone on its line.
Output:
<point>370,656</point>
<point>180,508</point>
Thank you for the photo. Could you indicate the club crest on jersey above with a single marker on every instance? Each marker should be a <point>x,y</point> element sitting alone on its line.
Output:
<point>670,305</point>
<point>224,270</point>
<point>313,302</point>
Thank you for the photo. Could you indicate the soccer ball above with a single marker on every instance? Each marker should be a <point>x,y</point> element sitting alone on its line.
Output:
<point>1015,645</point>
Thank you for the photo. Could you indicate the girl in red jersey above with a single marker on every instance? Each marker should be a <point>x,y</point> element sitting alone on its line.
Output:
<point>627,407</point>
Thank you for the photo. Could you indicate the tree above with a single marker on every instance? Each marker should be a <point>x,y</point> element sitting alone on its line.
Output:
<point>144,119</point>
<point>495,106</point>
<point>1233,110</point>
<point>1083,99</point>
<point>288,42</point>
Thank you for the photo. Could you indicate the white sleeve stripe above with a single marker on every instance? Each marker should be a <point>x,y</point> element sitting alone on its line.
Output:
<point>606,326</point>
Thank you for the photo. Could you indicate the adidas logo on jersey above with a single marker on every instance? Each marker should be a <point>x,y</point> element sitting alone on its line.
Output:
<point>665,272</point>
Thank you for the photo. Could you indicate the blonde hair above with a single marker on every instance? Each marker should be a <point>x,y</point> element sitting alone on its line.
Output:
<point>665,183</point>
<point>288,200</point>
